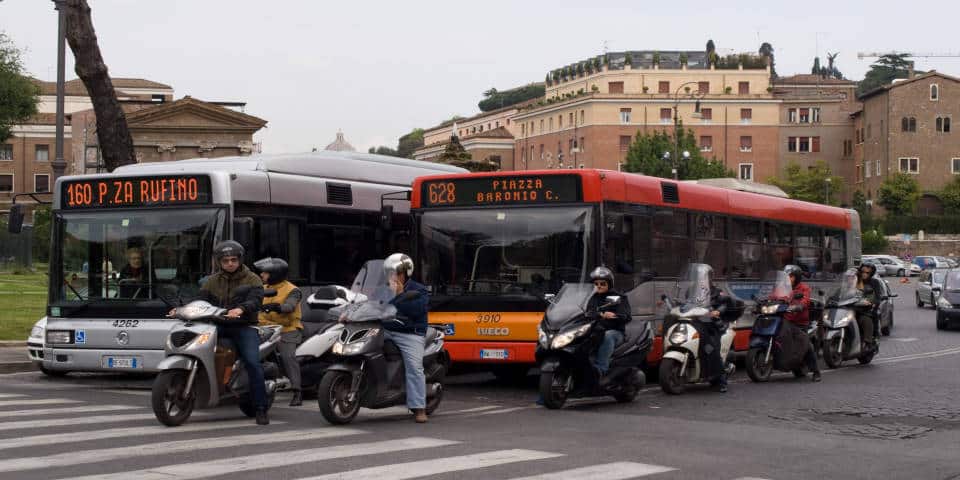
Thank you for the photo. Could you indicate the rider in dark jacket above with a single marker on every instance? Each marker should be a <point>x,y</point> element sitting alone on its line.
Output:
<point>722,311</point>
<point>868,319</point>
<point>612,318</point>
<point>799,313</point>
<point>411,300</point>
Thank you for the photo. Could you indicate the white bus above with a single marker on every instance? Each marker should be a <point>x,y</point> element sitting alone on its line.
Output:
<point>127,244</point>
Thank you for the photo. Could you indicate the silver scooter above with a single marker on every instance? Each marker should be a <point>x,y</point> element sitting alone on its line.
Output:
<point>200,371</point>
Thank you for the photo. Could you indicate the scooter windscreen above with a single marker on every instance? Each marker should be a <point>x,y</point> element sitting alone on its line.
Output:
<point>697,293</point>
<point>781,289</point>
<point>570,303</point>
<point>846,292</point>
<point>376,308</point>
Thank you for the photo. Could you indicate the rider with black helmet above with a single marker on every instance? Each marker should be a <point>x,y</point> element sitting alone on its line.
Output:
<point>613,319</point>
<point>870,286</point>
<point>243,304</point>
<point>283,310</point>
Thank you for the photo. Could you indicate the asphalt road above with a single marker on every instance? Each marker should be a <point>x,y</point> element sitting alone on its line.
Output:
<point>895,418</point>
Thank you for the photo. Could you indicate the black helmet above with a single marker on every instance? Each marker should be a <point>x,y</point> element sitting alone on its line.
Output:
<point>276,267</point>
<point>871,267</point>
<point>228,248</point>
<point>793,270</point>
<point>602,273</point>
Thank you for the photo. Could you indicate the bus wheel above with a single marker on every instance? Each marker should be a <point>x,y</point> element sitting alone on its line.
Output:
<point>554,387</point>
<point>511,374</point>
<point>670,380</point>
<point>54,373</point>
<point>166,398</point>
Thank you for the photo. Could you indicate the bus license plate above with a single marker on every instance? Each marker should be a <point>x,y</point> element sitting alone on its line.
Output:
<point>498,354</point>
<point>122,362</point>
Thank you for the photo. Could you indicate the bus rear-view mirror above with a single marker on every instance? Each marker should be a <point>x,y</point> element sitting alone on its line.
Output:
<point>15,220</point>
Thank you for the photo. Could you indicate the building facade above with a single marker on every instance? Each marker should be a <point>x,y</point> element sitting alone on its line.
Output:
<point>907,127</point>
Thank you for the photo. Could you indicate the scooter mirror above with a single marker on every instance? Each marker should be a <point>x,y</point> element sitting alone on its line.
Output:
<point>613,299</point>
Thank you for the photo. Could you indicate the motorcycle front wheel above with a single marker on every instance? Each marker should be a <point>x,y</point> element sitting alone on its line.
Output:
<point>553,388</point>
<point>757,369</point>
<point>433,403</point>
<point>333,396</point>
<point>670,380</point>
<point>169,406</point>
<point>831,353</point>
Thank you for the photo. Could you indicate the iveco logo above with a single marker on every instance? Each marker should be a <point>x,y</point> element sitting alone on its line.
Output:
<point>493,332</point>
<point>123,338</point>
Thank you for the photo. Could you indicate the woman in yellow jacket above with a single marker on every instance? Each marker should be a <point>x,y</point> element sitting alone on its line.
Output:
<point>283,310</point>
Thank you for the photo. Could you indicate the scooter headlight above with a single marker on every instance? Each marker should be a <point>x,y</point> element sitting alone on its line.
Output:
<point>844,320</point>
<point>769,309</point>
<point>680,335</point>
<point>569,336</point>
<point>943,303</point>
<point>201,339</point>
<point>542,337</point>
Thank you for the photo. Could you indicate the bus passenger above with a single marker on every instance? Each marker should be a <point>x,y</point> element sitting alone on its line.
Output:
<point>411,299</point>
<point>612,320</point>
<point>283,310</point>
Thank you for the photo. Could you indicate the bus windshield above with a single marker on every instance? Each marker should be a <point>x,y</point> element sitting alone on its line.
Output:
<point>520,251</point>
<point>132,255</point>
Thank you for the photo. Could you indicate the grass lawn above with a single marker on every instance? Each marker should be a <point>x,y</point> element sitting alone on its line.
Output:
<point>23,300</point>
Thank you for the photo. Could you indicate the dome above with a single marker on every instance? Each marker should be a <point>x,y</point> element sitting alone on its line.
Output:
<point>340,145</point>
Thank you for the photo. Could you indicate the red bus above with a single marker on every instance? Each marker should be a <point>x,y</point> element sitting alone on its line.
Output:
<point>491,246</point>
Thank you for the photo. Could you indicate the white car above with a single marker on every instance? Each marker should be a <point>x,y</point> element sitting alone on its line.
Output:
<point>892,266</point>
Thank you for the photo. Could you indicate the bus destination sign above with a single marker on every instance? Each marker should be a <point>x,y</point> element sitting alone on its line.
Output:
<point>501,190</point>
<point>162,191</point>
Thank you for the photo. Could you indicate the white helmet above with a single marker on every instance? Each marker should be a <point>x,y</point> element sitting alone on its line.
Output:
<point>398,263</point>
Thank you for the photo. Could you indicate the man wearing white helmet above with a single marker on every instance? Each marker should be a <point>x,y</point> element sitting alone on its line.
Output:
<point>411,299</point>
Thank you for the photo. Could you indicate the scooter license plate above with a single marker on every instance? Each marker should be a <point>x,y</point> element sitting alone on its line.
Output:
<point>498,354</point>
<point>122,362</point>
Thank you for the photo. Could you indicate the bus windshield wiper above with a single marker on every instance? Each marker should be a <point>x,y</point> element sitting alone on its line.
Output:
<point>75,292</point>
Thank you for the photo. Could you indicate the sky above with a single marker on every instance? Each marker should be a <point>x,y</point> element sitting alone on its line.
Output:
<point>377,69</point>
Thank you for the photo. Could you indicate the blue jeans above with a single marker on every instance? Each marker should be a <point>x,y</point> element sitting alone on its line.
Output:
<point>411,348</point>
<point>246,342</point>
<point>611,338</point>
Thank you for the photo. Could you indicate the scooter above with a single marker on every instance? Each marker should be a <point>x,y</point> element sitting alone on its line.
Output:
<point>569,336</point>
<point>367,370</point>
<point>312,354</point>
<point>681,363</point>
<point>840,333</point>
<point>200,372</point>
<point>763,357</point>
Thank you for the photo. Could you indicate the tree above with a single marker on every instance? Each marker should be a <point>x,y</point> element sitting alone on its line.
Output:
<point>381,150</point>
<point>457,156</point>
<point>646,156</point>
<point>817,69</point>
<point>874,242</point>
<point>860,203</point>
<point>950,196</point>
<point>410,142</point>
<point>18,95</point>
<point>711,48</point>
<point>898,194</point>
<point>116,144</point>
<point>766,51</point>
<point>494,99</point>
<point>810,184</point>
<point>884,71</point>
<point>41,233</point>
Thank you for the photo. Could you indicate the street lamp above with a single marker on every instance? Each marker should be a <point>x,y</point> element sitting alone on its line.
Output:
<point>697,95</point>
<point>58,164</point>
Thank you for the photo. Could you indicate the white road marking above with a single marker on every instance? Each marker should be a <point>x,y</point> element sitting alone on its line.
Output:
<point>436,466</point>
<point>467,410</point>
<point>226,466</point>
<point>152,430</point>
<point>918,356</point>
<point>10,395</point>
<point>497,412</point>
<point>906,339</point>
<point>609,471</point>
<point>139,393</point>
<point>56,411</point>
<point>94,420</point>
<point>26,402</point>
<point>168,448</point>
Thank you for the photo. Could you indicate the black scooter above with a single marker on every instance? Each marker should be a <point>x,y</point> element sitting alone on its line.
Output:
<point>764,355</point>
<point>367,370</point>
<point>569,336</point>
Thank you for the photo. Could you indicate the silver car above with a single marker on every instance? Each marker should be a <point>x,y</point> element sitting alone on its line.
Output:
<point>890,265</point>
<point>929,280</point>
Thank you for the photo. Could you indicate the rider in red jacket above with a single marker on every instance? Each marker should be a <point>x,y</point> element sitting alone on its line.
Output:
<point>799,313</point>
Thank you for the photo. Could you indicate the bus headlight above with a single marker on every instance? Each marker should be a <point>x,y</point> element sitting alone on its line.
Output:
<point>59,336</point>
<point>570,335</point>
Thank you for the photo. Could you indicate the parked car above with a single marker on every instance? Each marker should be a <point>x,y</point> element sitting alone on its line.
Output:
<point>948,301</point>
<point>915,269</point>
<point>952,263</point>
<point>890,265</point>
<point>876,264</point>
<point>927,262</point>
<point>886,308</point>
<point>927,285</point>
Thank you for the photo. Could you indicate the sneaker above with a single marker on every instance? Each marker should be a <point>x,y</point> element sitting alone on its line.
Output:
<point>297,399</point>
<point>420,416</point>
<point>723,388</point>
<point>262,418</point>
<point>816,377</point>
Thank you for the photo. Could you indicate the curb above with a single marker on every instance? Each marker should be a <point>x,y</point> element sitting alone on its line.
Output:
<point>13,343</point>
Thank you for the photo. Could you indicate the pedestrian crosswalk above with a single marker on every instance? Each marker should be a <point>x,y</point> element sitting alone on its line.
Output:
<point>69,438</point>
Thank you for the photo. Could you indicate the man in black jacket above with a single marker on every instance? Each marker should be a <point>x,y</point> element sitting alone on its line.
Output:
<point>613,318</point>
